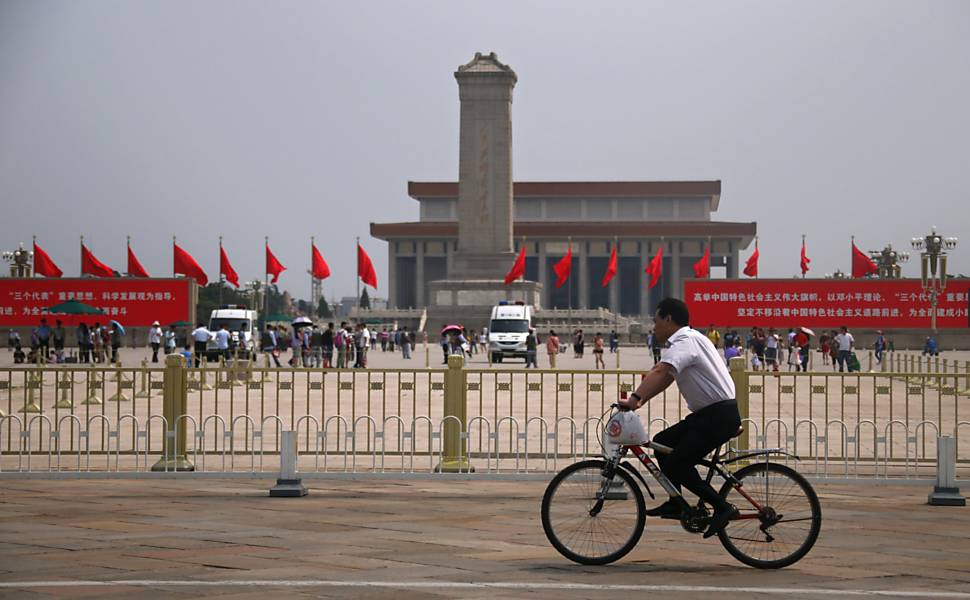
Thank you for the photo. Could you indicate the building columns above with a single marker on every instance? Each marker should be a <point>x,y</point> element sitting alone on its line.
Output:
<point>542,274</point>
<point>733,261</point>
<point>419,291</point>
<point>583,276</point>
<point>676,284</point>
<point>391,275</point>
<point>645,300</point>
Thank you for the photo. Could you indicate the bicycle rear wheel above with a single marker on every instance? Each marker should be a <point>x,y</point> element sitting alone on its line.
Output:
<point>786,528</point>
<point>589,520</point>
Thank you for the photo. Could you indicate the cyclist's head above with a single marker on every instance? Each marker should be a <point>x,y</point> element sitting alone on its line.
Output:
<point>671,315</point>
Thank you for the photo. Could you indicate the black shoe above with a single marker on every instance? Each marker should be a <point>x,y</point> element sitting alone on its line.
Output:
<point>668,510</point>
<point>720,518</point>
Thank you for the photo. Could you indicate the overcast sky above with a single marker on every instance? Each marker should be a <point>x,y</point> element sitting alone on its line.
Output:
<point>292,119</point>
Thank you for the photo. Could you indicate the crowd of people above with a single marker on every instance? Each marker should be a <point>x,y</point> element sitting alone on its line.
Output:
<point>96,343</point>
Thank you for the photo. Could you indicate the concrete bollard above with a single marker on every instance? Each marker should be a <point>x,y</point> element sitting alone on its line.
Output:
<point>289,485</point>
<point>946,492</point>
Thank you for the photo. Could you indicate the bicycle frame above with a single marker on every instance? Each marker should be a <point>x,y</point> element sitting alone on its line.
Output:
<point>715,465</point>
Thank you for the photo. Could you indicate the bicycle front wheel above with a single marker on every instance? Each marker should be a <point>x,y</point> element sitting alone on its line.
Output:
<point>785,528</point>
<point>590,520</point>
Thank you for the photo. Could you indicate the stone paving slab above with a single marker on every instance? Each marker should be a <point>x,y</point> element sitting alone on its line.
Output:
<point>442,532</point>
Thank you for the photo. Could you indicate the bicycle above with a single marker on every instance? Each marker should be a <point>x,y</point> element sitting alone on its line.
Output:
<point>586,512</point>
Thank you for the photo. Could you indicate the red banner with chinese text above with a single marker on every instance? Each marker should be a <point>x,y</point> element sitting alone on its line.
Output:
<point>131,301</point>
<point>865,304</point>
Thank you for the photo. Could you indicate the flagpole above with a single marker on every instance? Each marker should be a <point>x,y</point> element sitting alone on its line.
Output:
<point>758,273</point>
<point>524,242</point>
<point>357,251</point>
<point>82,256</point>
<point>800,259</point>
<point>127,247</point>
<point>312,299</point>
<point>33,255</point>
<point>709,257</point>
<point>615,244</point>
<point>266,275</point>
<point>569,250</point>
<point>220,271</point>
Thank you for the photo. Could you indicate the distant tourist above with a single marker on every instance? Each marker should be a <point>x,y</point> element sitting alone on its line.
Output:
<point>578,344</point>
<point>155,340</point>
<point>714,335</point>
<point>732,351</point>
<point>845,343</point>
<point>83,336</point>
<point>170,340</point>
<point>653,342</point>
<point>222,338</point>
<point>879,346</point>
<point>930,348</point>
<point>117,333</point>
<point>823,346</point>
<point>43,338</point>
<point>326,346</point>
<point>598,351</point>
<point>13,339</point>
<point>59,335</point>
<point>552,348</point>
<point>200,337</point>
<point>614,341</point>
<point>405,342</point>
<point>531,349</point>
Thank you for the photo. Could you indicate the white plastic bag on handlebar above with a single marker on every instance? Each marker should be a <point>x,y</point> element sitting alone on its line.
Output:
<point>623,429</point>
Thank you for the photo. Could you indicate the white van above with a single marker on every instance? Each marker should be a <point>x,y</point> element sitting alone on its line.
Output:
<point>508,329</point>
<point>240,322</point>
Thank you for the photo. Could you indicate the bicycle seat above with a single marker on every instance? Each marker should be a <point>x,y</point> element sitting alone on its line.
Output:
<point>739,431</point>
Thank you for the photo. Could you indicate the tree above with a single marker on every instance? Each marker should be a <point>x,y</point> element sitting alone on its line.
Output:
<point>364,299</point>
<point>323,309</point>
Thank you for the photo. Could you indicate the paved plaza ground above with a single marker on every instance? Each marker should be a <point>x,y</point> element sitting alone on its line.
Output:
<point>423,538</point>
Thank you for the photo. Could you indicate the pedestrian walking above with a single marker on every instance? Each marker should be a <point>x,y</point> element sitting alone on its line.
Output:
<point>340,345</point>
<point>714,335</point>
<point>116,337</point>
<point>222,338</point>
<point>879,346</point>
<point>654,343</point>
<point>578,344</point>
<point>170,340</point>
<point>43,335</point>
<point>83,335</point>
<point>846,343</point>
<point>614,341</point>
<point>97,343</point>
<point>552,348</point>
<point>598,351</point>
<point>155,340</point>
<point>270,344</point>
<point>326,346</point>
<point>406,343</point>
<point>531,349</point>
<point>58,335</point>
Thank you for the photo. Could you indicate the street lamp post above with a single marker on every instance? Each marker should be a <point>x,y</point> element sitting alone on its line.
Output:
<point>888,260</point>
<point>20,261</point>
<point>933,266</point>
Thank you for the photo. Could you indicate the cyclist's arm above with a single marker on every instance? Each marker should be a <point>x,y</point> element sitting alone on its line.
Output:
<point>656,381</point>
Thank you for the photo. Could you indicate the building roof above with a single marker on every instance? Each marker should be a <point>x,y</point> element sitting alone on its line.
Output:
<point>584,189</point>
<point>585,229</point>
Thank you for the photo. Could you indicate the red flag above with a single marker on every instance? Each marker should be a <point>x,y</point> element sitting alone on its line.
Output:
<point>90,265</point>
<point>273,266</point>
<point>862,265</point>
<point>518,267</point>
<point>805,259</point>
<point>702,268</point>
<point>751,265</point>
<point>610,269</point>
<point>655,268</point>
<point>186,265</point>
<point>134,267</point>
<point>43,265</point>
<point>319,266</point>
<point>564,267</point>
<point>365,268</point>
<point>225,268</point>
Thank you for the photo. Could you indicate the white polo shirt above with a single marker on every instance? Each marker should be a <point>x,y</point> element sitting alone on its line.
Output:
<point>700,372</point>
<point>845,341</point>
<point>222,339</point>
<point>201,334</point>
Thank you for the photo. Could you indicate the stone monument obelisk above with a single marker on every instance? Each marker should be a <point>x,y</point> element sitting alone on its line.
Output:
<point>485,251</point>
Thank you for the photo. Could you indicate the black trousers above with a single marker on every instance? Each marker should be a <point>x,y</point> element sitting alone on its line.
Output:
<point>692,439</point>
<point>199,352</point>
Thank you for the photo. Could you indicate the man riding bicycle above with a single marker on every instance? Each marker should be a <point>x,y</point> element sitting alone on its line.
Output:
<point>694,363</point>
